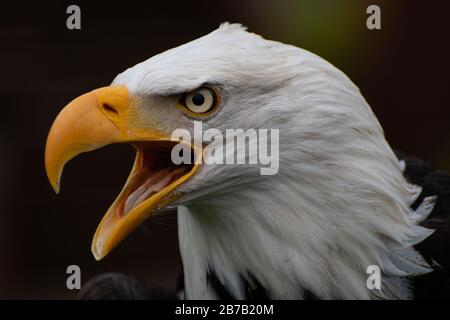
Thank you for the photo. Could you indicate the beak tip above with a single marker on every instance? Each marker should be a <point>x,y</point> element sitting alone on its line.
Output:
<point>56,188</point>
<point>53,174</point>
<point>97,252</point>
<point>97,258</point>
<point>55,185</point>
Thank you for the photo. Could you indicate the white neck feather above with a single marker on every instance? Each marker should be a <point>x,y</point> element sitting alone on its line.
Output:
<point>263,235</point>
<point>316,225</point>
<point>338,204</point>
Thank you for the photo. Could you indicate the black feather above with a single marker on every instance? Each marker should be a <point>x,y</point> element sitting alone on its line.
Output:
<point>436,248</point>
<point>118,286</point>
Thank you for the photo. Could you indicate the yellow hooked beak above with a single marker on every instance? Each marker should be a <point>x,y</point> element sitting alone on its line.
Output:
<point>105,116</point>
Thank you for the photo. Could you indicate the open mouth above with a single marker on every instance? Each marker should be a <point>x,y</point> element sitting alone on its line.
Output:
<point>151,186</point>
<point>110,115</point>
<point>153,173</point>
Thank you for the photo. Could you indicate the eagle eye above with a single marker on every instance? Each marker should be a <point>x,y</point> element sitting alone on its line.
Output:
<point>200,101</point>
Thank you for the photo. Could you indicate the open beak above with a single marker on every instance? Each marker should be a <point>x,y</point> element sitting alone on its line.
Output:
<point>105,116</point>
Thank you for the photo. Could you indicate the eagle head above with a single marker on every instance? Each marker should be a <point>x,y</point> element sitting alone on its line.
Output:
<point>333,201</point>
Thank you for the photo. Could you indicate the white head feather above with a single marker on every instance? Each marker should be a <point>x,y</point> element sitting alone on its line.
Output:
<point>339,202</point>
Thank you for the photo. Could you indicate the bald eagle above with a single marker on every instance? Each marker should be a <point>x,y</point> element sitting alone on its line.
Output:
<point>339,203</point>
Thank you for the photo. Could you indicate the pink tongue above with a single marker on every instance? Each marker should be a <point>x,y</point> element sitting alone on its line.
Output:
<point>155,183</point>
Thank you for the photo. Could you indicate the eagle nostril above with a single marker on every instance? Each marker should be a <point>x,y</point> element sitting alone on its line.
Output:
<point>110,111</point>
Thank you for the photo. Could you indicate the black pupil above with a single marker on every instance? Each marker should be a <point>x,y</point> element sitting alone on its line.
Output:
<point>198,99</point>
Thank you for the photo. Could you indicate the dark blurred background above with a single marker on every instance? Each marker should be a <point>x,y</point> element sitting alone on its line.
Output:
<point>403,71</point>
